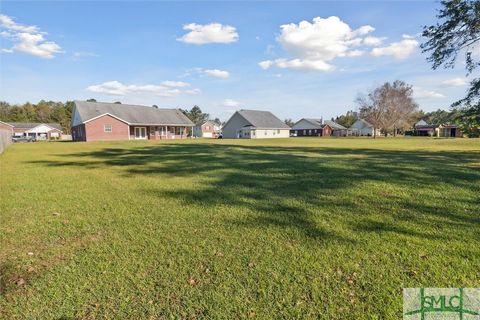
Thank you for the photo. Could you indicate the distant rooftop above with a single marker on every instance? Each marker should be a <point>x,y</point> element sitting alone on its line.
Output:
<point>263,119</point>
<point>31,125</point>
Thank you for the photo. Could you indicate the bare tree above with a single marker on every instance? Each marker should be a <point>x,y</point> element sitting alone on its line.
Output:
<point>400,105</point>
<point>372,109</point>
<point>388,107</point>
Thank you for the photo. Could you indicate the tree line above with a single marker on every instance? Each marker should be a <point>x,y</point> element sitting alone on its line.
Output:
<point>43,111</point>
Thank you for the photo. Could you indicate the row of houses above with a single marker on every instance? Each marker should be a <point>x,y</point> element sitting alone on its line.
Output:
<point>94,121</point>
<point>108,121</point>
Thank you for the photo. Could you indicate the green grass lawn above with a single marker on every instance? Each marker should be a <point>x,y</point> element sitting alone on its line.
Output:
<point>208,229</point>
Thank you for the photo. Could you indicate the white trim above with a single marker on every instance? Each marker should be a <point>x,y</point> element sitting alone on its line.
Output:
<point>105,128</point>
<point>135,133</point>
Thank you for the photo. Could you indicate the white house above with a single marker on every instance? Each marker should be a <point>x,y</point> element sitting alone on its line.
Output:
<point>363,128</point>
<point>40,131</point>
<point>254,124</point>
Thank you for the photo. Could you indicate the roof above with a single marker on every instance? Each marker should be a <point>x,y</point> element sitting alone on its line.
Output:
<point>131,114</point>
<point>316,123</point>
<point>334,125</point>
<point>205,122</point>
<point>421,123</point>
<point>31,125</point>
<point>424,125</point>
<point>262,119</point>
<point>365,123</point>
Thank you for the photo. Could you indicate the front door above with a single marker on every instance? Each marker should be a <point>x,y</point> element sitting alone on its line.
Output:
<point>140,133</point>
<point>453,132</point>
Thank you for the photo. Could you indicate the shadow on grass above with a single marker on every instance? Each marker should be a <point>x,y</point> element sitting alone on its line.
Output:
<point>293,188</point>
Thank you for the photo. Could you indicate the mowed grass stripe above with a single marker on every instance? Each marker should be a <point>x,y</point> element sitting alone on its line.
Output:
<point>267,229</point>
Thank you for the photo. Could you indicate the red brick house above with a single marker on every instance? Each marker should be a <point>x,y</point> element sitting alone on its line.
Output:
<point>207,129</point>
<point>95,121</point>
<point>311,128</point>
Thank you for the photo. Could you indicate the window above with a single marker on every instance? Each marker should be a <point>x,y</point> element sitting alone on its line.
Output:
<point>278,131</point>
<point>265,132</point>
<point>107,128</point>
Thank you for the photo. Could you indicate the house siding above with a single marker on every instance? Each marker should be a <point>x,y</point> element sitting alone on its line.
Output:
<point>94,130</point>
<point>362,128</point>
<point>235,123</point>
<point>271,133</point>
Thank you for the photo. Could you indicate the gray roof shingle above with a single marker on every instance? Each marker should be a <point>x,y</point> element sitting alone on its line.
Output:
<point>334,125</point>
<point>263,119</point>
<point>31,125</point>
<point>133,114</point>
<point>317,123</point>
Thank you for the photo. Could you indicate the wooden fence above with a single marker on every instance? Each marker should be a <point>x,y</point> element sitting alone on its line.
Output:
<point>5,139</point>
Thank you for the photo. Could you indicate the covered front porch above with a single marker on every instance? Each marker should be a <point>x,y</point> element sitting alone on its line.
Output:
<point>139,132</point>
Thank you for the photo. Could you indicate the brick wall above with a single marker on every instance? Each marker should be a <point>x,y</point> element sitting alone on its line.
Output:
<point>94,130</point>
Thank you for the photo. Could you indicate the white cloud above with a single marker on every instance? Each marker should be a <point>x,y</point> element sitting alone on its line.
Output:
<point>209,33</point>
<point>355,53</point>
<point>421,93</point>
<point>118,88</point>
<point>297,64</point>
<point>27,39</point>
<point>193,91</point>
<point>175,84</point>
<point>79,55</point>
<point>266,64</point>
<point>373,41</point>
<point>9,24</point>
<point>455,82</point>
<point>313,45</point>
<point>400,50</point>
<point>231,103</point>
<point>222,74</point>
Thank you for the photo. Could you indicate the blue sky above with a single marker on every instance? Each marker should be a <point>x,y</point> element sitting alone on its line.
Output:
<point>221,56</point>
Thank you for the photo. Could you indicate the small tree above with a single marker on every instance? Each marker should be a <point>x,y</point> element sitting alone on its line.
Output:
<point>289,122</point>
<point>347,119</point>
<point>196,115</point>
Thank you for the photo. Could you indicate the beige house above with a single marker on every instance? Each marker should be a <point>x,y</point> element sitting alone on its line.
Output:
<point>255,124</point>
